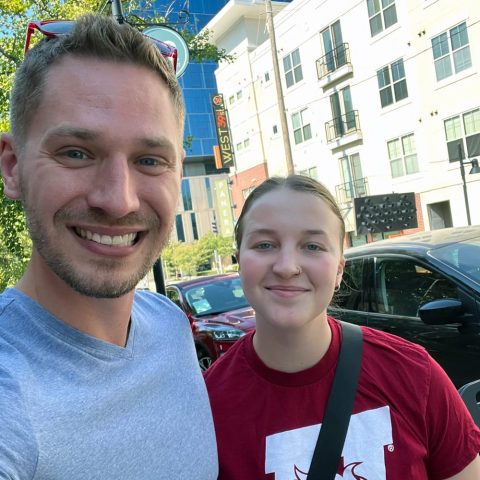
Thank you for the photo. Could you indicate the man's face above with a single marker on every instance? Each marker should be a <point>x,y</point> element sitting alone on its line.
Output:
<point>100,174</point>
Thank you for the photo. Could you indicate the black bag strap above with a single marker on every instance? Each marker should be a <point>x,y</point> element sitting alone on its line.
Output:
<point>331,439</point>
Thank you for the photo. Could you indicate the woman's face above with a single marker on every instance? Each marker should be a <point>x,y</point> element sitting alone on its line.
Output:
<point>290,258</point>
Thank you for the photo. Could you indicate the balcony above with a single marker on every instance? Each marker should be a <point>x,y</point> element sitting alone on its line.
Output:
<point>346,192</point>
<point>343,130</point>
<point>334,65</point>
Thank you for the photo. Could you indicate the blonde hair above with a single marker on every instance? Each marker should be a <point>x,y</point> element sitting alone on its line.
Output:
<point>95,36</point>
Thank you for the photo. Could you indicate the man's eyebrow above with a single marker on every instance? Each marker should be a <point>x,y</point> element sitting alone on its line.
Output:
<point>157,142</point>
<point>67,131</point>
<point>269,231</point>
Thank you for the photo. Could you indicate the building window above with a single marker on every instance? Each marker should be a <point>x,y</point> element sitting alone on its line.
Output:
<point>292,68</point>
<point>239,146</point>
<point>392,83</point>
<point>231,99</point>
<point>382,15</point>
<point>246,143</point>
<point>402,154</point>
<point>247,191</point>
<point>208,188</point>
<point>463,135</point>
<point>266,75</point>
<point>451,51</point>
<point>239,95</point>
<point>334,48</point>
<point>186,195</point>
<point>193,219</point>
<point>275,129</point>
<point>310,172</point>
<point>301,128</point>
<point>354,185</point>
<point>179,226</point>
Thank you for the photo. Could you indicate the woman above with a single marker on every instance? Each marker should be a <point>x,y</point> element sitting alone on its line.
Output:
<point>269,392</point>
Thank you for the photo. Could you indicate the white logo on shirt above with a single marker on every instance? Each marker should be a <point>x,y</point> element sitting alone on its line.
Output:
<point>288,454</point>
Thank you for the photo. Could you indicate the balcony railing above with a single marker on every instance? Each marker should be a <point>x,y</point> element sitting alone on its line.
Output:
<point>342,125</point>
<point>347,191</point>
<point>333,60</point>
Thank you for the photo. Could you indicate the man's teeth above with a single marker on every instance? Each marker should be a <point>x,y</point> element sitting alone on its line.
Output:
<point>126,240</point>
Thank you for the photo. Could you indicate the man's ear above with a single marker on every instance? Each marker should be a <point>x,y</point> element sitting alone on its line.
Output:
<point>9,168</point>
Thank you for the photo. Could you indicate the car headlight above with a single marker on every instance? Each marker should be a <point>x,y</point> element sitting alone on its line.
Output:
<point>226,333</point>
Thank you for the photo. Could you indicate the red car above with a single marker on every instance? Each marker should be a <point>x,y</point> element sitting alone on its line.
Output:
<point>218,312</point>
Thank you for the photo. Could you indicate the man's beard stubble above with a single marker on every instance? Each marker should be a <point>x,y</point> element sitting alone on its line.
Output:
<point>99,284</point>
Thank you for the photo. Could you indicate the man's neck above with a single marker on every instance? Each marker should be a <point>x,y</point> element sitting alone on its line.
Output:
<point>107,319</point>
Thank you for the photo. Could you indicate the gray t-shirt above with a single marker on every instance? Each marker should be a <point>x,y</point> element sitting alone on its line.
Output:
<point>73,407</point>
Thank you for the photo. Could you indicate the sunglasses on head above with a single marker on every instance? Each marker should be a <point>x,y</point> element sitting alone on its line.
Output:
<point>57,28</point>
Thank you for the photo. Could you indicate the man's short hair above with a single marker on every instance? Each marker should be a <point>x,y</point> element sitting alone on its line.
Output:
<point>96,36</point>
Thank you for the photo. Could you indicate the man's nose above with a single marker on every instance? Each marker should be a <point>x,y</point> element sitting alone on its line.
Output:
<point>114,188</point>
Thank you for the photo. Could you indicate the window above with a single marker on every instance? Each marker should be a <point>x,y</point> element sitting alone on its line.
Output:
<point>239,95</point>
<point>351,295</point>
<point>186,195</point>
<point>275,129</point>
<point>451,51</point>
<point>231,99</point>
<point>404,285</point>
<point>193,219</point>
<point>266,75</point>
<point>463,135</point>
<point>246,143</point>
<point>344,117</point>
<point>382,15</point>
<point>402,154</point>
<point>334,48</point>
<point>179,227</point>
<point>247,191</point>
<point>392,83</point>
<point>310,172</point>
<point>239,146</point>
<point>301,129</point>
<point>353,181</point>
<point>292,68</point>
<point>208,188</point>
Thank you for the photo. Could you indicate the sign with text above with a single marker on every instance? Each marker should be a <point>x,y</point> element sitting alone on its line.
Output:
<point>223,130</point>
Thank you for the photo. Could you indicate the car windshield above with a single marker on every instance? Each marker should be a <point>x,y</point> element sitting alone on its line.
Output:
<point>462,256</point>
<point>219,296</point>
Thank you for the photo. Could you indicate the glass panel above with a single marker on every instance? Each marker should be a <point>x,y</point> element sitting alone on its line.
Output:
<point>411,164</point>
<point>296,57</point>
<point>373,7</point>
<point>298,136</point>
<point>386,97</point>
<point>443,68</point>
<point>459,36</point>
<point>440,46</point>
<point>347,100</point>
<point>390,16</point>
<point>296,121</point>
<point>337,33</point>
<point>307,132</point>
<point>453,129</point>
<point>386,3</point>
<point>287,63</point>
<point>400,89</point>
<point>194,226</point>
<point>397,168</point>
<point>298,73</point>
<point>186,195</point>
<point>383,77</point>
<point>289,79</point>
<point>462,59</point>
<point>179,227</point>
<point>394,149</point>
<point>376,25</point>
<point>408,144</point>
<point>398,71</point>
<point>208,188</point>
<point>471,121</point>
<point>327,41</point>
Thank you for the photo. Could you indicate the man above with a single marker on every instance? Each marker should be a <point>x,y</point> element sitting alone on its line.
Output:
<point>97,381</point>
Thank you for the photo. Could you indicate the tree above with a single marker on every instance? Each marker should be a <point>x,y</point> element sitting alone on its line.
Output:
<point>14,16</point>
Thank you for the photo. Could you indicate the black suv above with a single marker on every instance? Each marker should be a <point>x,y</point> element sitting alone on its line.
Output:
<point>423,287</point>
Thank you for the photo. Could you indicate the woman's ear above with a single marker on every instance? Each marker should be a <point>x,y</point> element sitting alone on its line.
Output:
<point>341,266</point>
<point>9,168</point>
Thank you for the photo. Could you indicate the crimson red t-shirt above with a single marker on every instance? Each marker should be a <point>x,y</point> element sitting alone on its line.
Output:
<point>408,420</point>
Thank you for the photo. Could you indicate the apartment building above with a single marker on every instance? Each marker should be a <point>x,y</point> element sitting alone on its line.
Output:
<point>381,97</point>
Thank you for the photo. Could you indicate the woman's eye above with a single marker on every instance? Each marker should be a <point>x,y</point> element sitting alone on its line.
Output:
<point>263,246</point>
<point>313,247</point>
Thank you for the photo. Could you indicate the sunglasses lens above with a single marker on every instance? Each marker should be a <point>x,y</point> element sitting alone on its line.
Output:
<point>57,28</point>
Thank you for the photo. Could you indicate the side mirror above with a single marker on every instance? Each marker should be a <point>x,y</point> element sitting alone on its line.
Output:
<point>441,312</point>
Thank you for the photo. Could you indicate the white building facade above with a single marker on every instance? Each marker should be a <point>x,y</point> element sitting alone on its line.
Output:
<point>380,96</point>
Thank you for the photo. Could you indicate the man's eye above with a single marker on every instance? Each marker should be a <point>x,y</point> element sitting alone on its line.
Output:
<point>149,162</point>
<point>75,154</point>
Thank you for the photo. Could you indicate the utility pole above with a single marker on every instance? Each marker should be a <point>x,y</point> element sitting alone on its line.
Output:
<point>278,86</point>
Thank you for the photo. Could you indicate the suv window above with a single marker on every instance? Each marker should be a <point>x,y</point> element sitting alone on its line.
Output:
<point>350,295</point>
<point>403,285</point>
<point>174,296</point>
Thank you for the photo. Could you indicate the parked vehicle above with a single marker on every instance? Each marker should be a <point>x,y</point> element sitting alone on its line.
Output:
<point>423,287</point>
<point>218,312</point>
